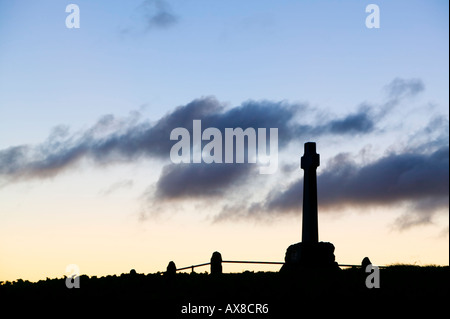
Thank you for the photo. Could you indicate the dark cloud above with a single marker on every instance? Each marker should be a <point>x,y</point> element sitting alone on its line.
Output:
<point>207,180</point>
<point>179,181</point>
<point>394,178</point>
<point>361,122</point>
<point>107,141</point>
<point>422,180</point>
<point>114,139</point>
<point>365,119</point>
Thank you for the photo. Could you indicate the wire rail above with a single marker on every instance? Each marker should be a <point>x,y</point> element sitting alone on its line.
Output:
<point>193,266</point>
<point>256,262</point>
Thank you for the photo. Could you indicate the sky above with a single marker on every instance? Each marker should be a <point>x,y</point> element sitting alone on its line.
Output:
<point>86,115</point>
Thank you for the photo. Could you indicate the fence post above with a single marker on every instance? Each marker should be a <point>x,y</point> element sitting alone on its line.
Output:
<point>216,263</point>
<point>171,270</point>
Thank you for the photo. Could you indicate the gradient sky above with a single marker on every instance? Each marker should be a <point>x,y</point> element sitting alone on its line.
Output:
<point>86,116</point>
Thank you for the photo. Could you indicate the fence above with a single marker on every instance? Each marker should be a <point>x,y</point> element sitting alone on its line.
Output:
<point>217,262</point>
<point>233,262</point>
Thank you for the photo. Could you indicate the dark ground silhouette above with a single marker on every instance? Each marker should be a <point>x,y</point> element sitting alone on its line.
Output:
<point>403,289</point>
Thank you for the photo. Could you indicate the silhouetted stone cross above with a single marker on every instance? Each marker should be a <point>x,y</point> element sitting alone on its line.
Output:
<point>310,253</point>
<point>309,163</point>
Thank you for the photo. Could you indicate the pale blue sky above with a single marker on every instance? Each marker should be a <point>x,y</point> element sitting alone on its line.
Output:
<point>318,54</point>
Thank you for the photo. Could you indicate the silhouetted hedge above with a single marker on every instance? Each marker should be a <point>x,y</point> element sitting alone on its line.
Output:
<point>401,287</point>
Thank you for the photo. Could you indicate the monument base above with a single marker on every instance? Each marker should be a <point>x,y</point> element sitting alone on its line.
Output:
<point>307,256</point>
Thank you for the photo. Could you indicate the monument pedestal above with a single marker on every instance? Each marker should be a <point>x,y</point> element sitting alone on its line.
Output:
<point>306,256</point>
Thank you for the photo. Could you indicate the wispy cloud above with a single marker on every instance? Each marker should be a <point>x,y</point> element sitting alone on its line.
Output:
<point>400,88</point>
<point>152,15</point>
<point>158,14</point>
<point>122,184</point>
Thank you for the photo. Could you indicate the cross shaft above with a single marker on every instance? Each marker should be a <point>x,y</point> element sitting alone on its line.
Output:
<point>309,163</point>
